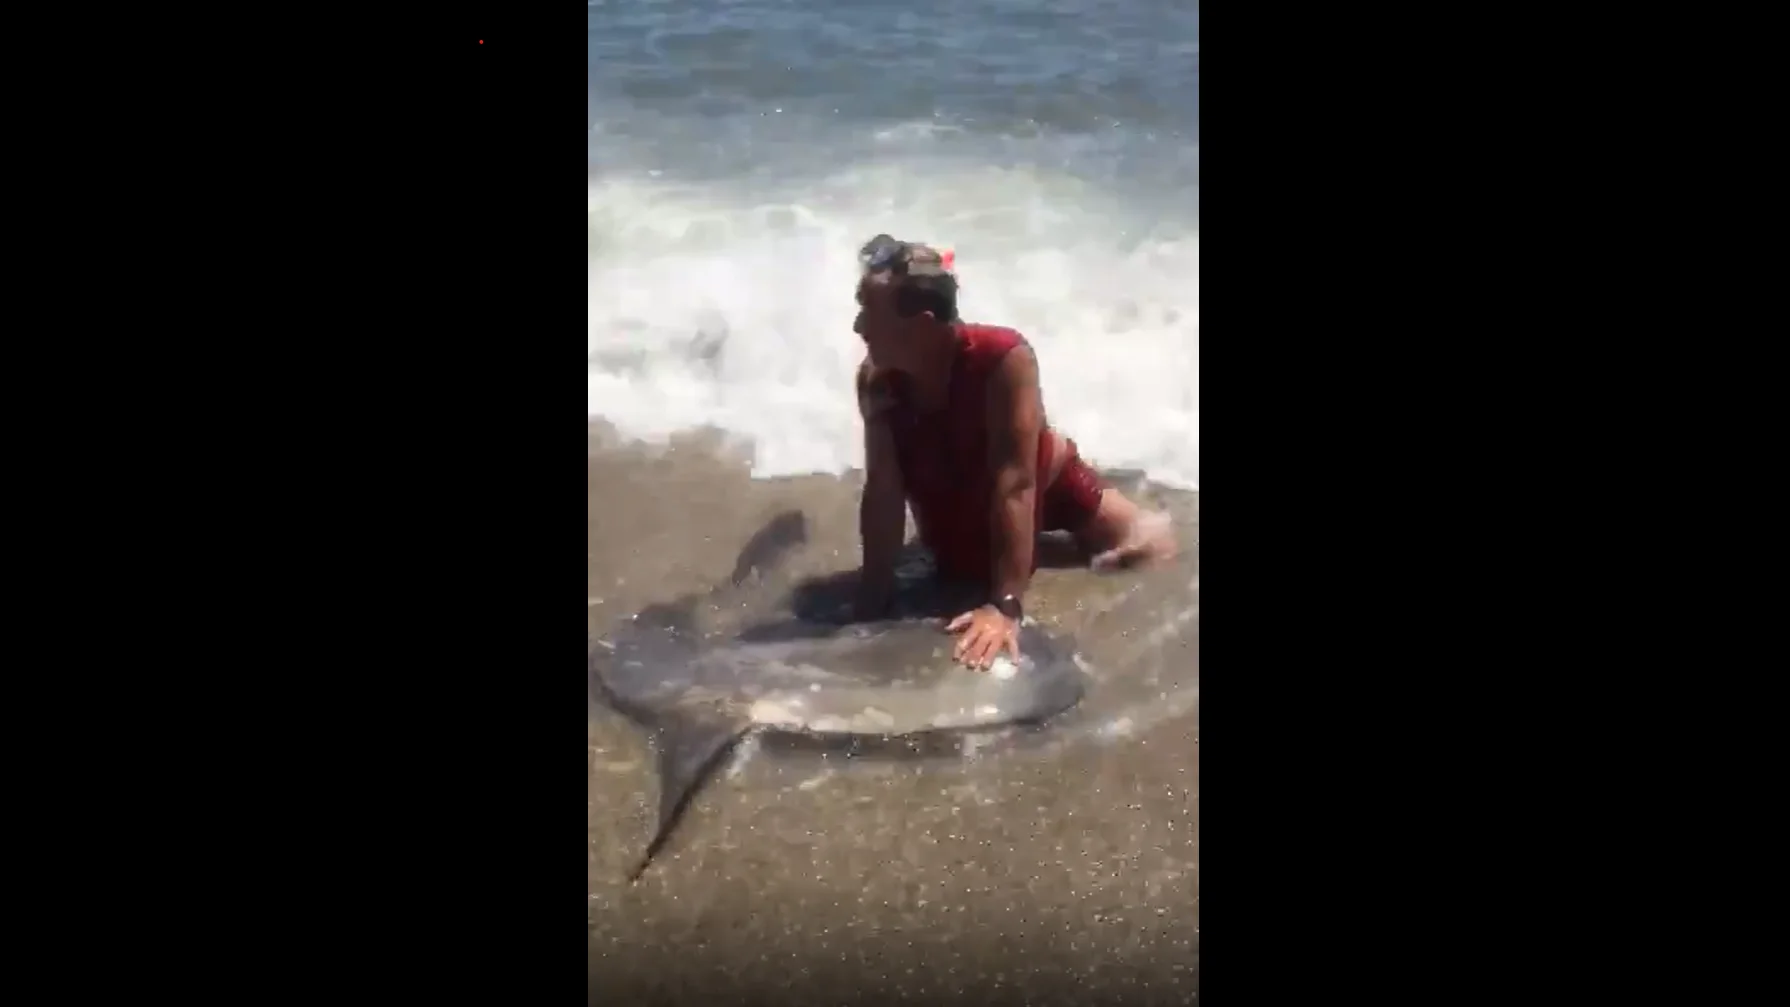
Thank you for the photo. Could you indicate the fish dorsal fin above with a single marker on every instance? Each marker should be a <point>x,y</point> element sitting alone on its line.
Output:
<point>769,546</point>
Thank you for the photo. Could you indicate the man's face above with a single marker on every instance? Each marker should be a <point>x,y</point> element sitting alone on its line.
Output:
<point>884,331</point>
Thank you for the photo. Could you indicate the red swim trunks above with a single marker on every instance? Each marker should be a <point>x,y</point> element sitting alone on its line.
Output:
<point>1074,498</point>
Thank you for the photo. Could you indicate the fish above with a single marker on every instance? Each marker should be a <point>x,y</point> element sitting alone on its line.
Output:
<point>697,698</point>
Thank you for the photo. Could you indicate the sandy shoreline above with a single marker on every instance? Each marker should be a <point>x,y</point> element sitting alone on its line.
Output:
<point>1060,875</point>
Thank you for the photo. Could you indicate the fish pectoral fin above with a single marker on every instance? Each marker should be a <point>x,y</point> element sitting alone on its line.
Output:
<point>688,751</point>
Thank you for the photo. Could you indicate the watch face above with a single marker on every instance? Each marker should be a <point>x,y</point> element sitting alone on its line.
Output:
<point>1009,607</point>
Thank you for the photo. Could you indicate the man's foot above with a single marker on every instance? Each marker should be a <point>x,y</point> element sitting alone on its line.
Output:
<point>1124,535</point>
<point>1149,537</point>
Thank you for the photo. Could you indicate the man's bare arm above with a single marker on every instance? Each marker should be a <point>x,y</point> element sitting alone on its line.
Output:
<point>882,510</point>
<point>1015,422</point>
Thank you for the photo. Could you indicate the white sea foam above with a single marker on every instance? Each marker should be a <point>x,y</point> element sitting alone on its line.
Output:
<point>731,306</point>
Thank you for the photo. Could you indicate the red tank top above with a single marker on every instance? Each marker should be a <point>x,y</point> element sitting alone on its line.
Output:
<point>944,458</point>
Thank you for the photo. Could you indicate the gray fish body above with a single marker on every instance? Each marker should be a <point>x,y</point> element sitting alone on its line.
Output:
<point>887,678</point>
<point>698,698</point>
<point>870,680</point>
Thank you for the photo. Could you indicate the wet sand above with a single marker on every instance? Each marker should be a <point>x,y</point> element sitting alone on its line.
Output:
<point>1060,867</point>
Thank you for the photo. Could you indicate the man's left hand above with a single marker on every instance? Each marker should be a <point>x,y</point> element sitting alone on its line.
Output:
<point>986,632</point>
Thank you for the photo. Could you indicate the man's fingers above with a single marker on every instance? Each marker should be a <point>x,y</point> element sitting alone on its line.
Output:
<point>972,644</point>
<point>992,649</point>
<point>980,650</point>
<point>979,647</point>
<point>966,643</point>
<point>969,649</point>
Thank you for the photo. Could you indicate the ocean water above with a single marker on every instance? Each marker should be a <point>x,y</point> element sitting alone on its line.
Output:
<point>739,151</point>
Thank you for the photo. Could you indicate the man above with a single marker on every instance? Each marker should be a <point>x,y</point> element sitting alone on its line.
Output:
<point>954,427</point>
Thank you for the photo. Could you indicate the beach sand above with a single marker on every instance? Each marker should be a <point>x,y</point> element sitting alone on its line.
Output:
<point>1061,867</point>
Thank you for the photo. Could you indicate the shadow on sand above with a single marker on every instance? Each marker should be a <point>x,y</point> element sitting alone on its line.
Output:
<point>821,604</point>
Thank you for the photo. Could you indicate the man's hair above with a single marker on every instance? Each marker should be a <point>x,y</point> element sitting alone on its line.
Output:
<point>920,274</point>
<point>937,294</point>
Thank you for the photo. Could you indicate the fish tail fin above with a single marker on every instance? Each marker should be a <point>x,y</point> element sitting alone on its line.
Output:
<point>689,749</point>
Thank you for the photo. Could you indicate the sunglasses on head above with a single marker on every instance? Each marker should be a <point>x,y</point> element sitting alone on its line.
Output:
<point>882,252</point>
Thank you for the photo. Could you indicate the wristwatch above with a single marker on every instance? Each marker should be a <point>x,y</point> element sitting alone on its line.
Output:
<point>1009,606</point>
